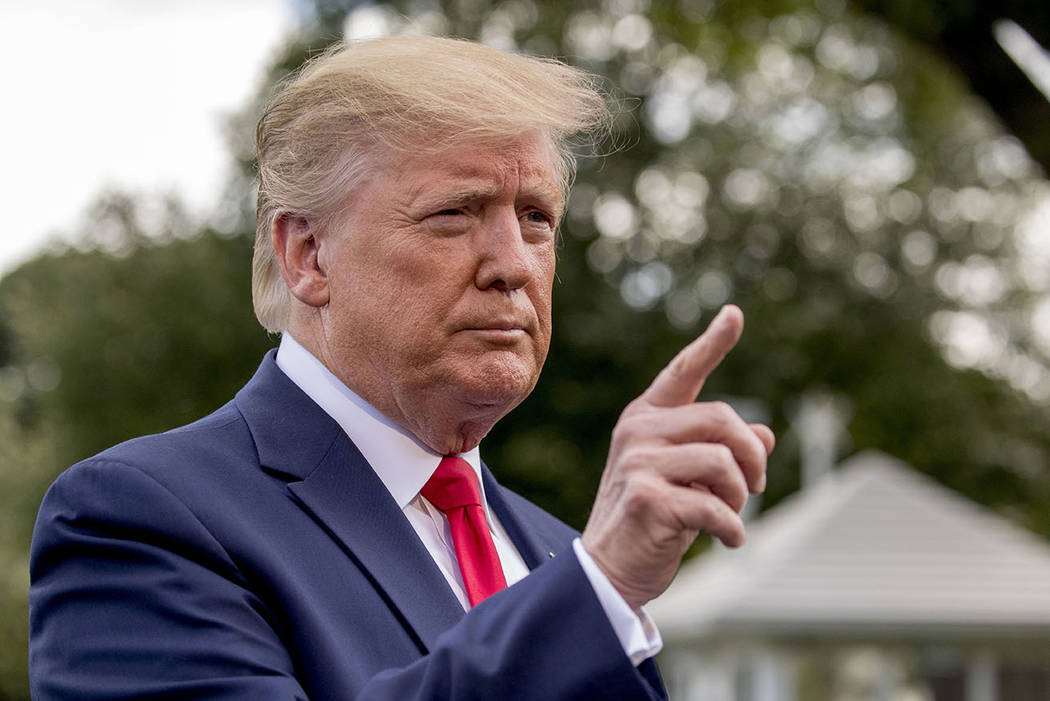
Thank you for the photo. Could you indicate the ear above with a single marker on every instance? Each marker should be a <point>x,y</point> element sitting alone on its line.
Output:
<point>296,244</point>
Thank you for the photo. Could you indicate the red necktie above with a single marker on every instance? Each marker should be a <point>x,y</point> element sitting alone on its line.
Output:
<point>453,488</point>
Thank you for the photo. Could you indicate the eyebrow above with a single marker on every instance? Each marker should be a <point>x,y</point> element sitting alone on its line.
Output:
<point>465,194</point>
<point>548,195</point>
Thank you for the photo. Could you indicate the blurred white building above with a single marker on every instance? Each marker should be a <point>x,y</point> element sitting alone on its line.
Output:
<point>875,584</point>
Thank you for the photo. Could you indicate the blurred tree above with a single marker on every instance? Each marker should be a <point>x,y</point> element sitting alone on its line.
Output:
<point>963,32</point>
<point>138,332</point>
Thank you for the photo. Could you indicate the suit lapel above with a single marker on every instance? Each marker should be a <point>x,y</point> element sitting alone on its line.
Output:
<point>534,541</point>
<point>300,443</point>
<point>348,498</point>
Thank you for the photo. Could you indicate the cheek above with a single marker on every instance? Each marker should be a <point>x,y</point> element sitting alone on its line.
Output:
<point>545,286</point>
<point>541,301</point>
<point>401,276</point>
<point>425,263</point>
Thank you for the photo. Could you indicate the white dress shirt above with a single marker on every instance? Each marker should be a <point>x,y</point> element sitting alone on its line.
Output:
<point>404,465</point>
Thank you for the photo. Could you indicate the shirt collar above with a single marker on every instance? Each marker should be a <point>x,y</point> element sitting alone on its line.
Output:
<point>401,461</point>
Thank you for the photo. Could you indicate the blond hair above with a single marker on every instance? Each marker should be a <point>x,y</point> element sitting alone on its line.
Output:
<point>407,94</point>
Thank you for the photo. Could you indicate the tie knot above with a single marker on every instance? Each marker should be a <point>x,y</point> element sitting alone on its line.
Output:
<point>454,484</point>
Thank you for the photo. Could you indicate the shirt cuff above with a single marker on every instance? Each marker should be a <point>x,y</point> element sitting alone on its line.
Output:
<point>636,631</point>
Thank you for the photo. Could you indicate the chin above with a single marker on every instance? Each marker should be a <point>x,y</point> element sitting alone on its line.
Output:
<point>498,387</point>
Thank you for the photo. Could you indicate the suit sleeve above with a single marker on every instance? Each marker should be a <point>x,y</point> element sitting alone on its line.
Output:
<point>133,597</point>
<point>528,643</point>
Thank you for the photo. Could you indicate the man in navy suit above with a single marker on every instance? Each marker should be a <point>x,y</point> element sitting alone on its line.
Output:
<point>291,545</point>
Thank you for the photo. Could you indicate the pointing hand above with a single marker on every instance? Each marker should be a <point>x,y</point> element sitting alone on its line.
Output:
<point>675,468</point>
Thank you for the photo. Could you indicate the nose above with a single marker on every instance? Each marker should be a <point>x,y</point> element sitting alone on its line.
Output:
<point>504,263</point>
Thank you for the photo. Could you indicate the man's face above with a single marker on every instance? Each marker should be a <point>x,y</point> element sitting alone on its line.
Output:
<point>440,282</point>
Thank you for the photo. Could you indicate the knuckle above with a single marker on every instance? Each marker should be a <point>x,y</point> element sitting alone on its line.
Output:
<point>624,430</point>
<point>636,461</point>
<point>649,425</point>
<point>629,422</point>
<point>635,426</point>
<point>722,412</point>
<point>723,456</point>
<point>634,406</point>
<point>639,496</point>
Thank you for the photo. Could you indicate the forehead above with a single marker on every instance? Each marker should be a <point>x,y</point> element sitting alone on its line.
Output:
<point>527,164</point>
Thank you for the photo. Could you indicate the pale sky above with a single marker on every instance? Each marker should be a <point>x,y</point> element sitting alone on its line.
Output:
<point>121,93</point>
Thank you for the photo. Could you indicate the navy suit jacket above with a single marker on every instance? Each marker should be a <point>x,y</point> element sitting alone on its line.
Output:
<point>255,555</point>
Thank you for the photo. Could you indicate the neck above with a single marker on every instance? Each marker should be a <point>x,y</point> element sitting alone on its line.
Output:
<point>438,420</point>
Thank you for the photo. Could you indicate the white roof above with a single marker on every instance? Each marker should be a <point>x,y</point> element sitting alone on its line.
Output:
<point>873,549</point>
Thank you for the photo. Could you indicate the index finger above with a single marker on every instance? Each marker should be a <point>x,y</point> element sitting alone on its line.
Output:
<point>681,381</point>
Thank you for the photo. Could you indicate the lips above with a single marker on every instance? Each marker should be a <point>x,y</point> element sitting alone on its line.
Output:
<point>498,324</point>
<point>497,333</point>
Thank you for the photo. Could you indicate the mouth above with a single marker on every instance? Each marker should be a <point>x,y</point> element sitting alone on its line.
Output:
<point>499,331</point>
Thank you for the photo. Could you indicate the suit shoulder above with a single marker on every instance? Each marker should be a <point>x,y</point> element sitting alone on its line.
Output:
<point>215,426</point>
<point>180,486</point>
<point>221,438</point>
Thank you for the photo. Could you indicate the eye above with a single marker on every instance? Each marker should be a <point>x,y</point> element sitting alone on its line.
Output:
<point>451,221</point>
<point>537,217</point>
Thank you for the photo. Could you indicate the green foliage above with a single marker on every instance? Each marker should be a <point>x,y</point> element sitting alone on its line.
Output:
<point>148,340</point>
<point>963,33</point>
<point>154,334</point>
